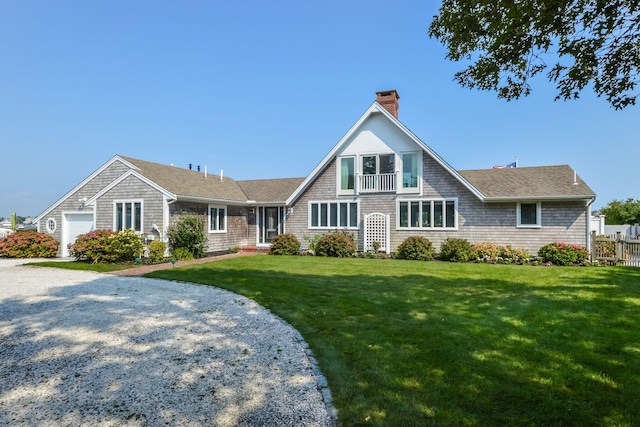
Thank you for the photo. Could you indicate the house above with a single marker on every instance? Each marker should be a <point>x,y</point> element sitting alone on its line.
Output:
<point>380,182</point>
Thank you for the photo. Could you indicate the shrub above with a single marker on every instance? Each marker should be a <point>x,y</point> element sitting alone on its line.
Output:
<point>456,250</point>
<point>559,253</point>
<point>416,248</point>
<point>235,249</point>
<point>312,242</point>
<point>488,252</point>
<point>92,246</point>
<point>107,246</point>
<point>28,244</point>
<point>338,244</point>
<point>182,254</point>
<point>514,255</point>
<point>124,246</point>
<point>188,233</point>
<point>285,244</point>
<point>156,251</point>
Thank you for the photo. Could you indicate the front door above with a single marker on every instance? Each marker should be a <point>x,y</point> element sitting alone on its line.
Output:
<point>270,223</point>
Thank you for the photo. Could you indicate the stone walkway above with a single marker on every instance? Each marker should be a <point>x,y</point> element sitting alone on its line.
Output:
<point>144,269</point>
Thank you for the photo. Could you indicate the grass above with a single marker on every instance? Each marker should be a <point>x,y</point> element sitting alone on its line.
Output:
<point>430,343</point>
<point>87,266</point>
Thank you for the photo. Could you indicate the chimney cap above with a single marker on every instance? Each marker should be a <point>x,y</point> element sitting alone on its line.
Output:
<point>388,99</point>
<point>385,93</point>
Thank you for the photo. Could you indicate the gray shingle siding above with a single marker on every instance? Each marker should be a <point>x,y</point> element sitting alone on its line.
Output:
<point>477,221</point>
<point>238,230</point>
<point>131,188</point>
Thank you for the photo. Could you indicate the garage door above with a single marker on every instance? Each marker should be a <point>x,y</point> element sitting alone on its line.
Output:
<point>73,225</point>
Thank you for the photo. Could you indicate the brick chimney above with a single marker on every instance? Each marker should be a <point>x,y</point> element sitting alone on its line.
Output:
<point>389,100</point>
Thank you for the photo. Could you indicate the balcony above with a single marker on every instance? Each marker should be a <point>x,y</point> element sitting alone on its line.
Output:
<point>378,183</point>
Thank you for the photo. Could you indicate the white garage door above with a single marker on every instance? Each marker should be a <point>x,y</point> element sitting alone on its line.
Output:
<point>73,225</point>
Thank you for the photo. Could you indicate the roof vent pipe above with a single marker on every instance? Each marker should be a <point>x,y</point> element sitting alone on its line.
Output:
<point>221,171</point>
<point>575,178</point>
<point>190,165</point>
<point>205,171</point>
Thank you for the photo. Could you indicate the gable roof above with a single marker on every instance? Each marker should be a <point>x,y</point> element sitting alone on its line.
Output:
<point>532,183</point>
<point>270,190</point>
<point>376,108</point>
<point>189,184</point>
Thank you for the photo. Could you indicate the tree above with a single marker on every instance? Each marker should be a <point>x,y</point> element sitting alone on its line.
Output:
<point>598,42</point>
<point>622,212</point>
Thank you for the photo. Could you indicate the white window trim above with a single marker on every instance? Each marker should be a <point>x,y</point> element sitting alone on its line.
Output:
<point>226,215</point>
<point>538,223</point>
<point>132,201</point>
<point>401,189</point>
<point>339,190</point>
<point>53,229</point>
<point>330,227</point>
<point>432,227</point>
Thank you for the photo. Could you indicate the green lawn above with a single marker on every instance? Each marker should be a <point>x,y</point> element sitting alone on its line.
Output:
<point>81,265</point>
<point>407,343</point>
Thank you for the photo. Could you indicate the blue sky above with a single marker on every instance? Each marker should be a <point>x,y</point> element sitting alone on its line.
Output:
<point>263,90</point>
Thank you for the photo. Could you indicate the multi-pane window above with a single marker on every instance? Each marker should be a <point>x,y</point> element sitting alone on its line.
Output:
<point>333,215</point>
<point>378,164</point>
<point>51,225</point>
<point>427,214</point>
<point>217,219</point>
<point>528,215</point>
<point>128,214</point>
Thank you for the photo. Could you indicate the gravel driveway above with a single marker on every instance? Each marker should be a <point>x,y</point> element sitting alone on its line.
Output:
<point>82,348</point>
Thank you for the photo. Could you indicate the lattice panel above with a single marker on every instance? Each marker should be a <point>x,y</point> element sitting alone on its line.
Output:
<point>376,229</point>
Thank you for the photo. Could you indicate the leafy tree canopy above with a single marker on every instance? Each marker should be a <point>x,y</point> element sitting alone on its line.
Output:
<point>594,41</point>
<point>620,212</point>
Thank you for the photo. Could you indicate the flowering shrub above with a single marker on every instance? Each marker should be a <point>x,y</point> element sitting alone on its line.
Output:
<point>488,252</point>
<point>559,253</point>
<point>188,233</point>
<point>338,244</point>
<point>156,251</point>
<point>415,248</point>
<point>92,246</point>
<point>513,255</point>
<point>107,246</point>
<point>285,244</point>
<point>456,250</point>
<point>28,244</point>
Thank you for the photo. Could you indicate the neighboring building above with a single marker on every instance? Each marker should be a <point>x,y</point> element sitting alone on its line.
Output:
<point>380,182</point>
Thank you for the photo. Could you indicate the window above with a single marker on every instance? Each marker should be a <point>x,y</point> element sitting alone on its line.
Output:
<point>217,219</point>
<point>128,214</point>
<point>528,215</point>
<point>333,215</point>
<point>432,214</point>
<point>378,164</point>
<point>347,174</point>
<point>410,170</point>
<point>51,225</point>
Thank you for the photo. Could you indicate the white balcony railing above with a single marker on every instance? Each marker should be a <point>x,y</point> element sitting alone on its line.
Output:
<point>379,183</point>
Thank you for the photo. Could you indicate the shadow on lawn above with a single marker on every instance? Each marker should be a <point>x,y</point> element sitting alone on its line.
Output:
<point>463,349</point>
<point>122,351</point>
